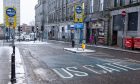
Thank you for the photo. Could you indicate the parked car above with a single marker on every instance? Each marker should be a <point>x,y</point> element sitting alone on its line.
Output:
<point>27,38</point>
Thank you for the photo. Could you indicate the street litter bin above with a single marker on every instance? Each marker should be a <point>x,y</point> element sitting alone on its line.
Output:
<point>137,42</point>
<point>129,42</point>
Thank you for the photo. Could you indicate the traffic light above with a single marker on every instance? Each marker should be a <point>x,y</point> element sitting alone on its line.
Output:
<point>6,29</point>
<point>37,28</point>
<point>19,28</point>
<point>32,28</point>
<point>42,28</point>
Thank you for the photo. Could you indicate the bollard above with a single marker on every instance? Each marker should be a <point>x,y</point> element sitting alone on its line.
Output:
<point>14,49</point>
<point>13,70</point>
<point>83,45</point>
<point>13,74</point>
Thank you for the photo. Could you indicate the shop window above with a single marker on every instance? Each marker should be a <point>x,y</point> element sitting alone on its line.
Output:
<point>133,21</point>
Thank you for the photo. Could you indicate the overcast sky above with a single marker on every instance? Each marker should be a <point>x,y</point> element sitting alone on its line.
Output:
<point>27,11</point>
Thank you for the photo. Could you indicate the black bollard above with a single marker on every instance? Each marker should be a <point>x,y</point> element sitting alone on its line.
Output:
<point>13,70</point>
<point>14,49</point>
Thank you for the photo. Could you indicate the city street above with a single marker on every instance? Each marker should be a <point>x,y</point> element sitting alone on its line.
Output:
<point>48,63</point>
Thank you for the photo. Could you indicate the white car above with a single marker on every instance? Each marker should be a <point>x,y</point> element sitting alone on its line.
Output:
<point>27,38</point>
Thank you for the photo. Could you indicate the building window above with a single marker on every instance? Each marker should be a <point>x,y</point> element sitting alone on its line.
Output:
<point>133,21</point>
<point>122,2</point>
<point>133,1</point>
<point>101,5</point>
<point>116,3</point>
<point>118,23</point>
<point>91,6</point>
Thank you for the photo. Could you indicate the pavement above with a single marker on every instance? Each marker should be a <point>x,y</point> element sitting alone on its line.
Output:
<point>5,63</point>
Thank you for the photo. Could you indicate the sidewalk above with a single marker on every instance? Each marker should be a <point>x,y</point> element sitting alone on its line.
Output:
<point>5,63</point>
<point>101,46</point>
<point>113,48</point>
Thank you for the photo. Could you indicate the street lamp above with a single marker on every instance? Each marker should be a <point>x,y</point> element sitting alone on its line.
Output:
<point>123,16</point>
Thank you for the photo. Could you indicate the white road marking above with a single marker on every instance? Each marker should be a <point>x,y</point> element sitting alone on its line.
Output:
<point>109,69</point>
<point>70,72</point>
<point>77,73</point>
<point>65,71</point>
<point>88,68</point>
<point>126,66</point>
<point>116,67</point>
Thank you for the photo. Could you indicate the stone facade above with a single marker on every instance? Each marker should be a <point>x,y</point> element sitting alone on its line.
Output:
<point>131,20</point>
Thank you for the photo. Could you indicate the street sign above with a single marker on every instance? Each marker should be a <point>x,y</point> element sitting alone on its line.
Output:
<point>123,13</point>
<point>78,14</point>
<point>79,26</point>
<point>11,12</point>
<point>78,9</point>
<point>10,17</point>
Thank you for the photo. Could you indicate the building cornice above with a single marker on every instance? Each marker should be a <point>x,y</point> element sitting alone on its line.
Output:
<point>126,6</point>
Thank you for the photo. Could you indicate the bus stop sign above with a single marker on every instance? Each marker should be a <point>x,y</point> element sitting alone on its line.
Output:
<point>11,12</point>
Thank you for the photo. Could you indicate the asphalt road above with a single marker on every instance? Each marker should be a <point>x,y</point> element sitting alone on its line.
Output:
<point>50,64</point>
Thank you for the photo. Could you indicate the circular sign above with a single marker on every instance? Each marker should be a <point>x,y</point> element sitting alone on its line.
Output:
<point>11,12</point>
<point>123,13</point>
<point>78,9</point>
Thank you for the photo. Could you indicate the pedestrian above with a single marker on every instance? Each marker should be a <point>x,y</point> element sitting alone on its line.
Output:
<point>95,38</point>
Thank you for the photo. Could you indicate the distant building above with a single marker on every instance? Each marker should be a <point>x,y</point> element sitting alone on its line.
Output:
<point>26,28</point>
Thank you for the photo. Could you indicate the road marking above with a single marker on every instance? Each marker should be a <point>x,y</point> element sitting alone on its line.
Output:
<point>109,69</point>
<point>104,68</point>
<point>88,67</point>
<point>69,75</point>
<point>77,73</point>
<point>126,66</point>
<point>116,67</point>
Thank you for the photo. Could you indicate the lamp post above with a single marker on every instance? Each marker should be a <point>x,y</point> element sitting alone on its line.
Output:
<point>123,31</point>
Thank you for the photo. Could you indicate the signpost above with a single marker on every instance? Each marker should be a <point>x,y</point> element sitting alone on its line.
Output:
<point>10,14</point>
<point>78,20</point>
<point>123,16</point>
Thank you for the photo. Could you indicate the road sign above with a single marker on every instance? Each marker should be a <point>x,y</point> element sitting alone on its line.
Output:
<point>11,12</point>
<point>123,13</point>
<point>10,17</point>
<point>78,14</point>
<point>78,9</point>
<point>79,26</point>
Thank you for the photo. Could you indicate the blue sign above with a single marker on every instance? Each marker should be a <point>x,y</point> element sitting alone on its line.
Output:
<point>78,9</point>
<point>79,26</point>
<point>11,12</point>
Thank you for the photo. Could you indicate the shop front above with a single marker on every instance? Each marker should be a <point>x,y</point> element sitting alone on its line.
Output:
<point>96,32</point>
